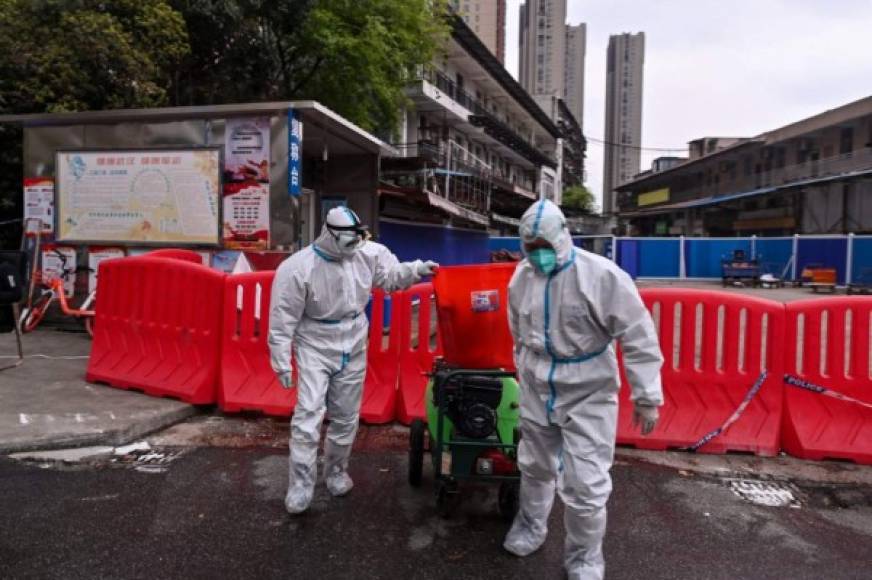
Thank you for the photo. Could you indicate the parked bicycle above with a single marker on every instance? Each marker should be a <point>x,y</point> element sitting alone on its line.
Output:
<point>53,289</point>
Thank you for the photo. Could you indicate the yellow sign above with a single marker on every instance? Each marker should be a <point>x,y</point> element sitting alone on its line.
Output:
<point>139,196</point>
<point>652,197</point>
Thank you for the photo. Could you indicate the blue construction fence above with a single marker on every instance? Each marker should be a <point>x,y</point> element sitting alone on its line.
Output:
<point>678,257</point>
<point>701,258</point>
<point>785,258</point>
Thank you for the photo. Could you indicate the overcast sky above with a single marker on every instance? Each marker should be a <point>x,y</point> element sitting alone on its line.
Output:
<point>721,67</point>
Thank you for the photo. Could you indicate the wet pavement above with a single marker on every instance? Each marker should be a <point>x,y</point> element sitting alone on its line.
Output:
<point>205,501</point>
<point>788,293</point>
<point>46,403</point>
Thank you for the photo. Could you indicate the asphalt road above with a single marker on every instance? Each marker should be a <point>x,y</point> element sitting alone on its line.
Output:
<point>218,513</point>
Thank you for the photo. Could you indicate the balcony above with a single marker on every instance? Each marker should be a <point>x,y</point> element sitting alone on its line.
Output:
<point>472,112</point>
<point>860,160</point>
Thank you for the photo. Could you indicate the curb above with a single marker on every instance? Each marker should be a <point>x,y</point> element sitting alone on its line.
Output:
<point>114,437</point>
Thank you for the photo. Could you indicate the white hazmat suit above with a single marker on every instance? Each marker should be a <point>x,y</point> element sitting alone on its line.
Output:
<point>564,325</point>
<point>318,300</point>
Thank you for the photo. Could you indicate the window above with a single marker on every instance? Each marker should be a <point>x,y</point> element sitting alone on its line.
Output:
<point>846,142</point>
<point>779,157</point>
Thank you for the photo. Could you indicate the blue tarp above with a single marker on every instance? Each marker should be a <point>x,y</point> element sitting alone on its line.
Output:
<point>448,246</point>
<point>512,244</point>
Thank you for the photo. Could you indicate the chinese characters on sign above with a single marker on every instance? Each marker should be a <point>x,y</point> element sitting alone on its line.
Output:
<point>39,202</point>
<point>96,255</point>
<point>295,154</point>
<point>246,184</point>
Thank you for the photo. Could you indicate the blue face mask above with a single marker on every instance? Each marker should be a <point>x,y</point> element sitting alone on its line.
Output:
<point>544,259</point>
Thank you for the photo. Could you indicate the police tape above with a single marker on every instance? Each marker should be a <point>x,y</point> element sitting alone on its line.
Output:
<point>752,392</point>
<point>797,382</point>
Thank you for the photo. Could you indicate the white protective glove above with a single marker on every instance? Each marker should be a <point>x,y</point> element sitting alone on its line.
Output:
<point>286,380</point>
<point>427,268</point>
<point>646,416</point>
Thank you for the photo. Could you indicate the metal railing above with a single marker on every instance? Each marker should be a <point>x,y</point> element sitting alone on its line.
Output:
<point>859,160</point>
<point>474,106</point>
<point>816,168</point>
<point>434,152</point>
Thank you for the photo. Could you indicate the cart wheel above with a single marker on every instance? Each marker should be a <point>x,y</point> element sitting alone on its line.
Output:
<point>509,499</point>
<point>416,451</point>
<point>31,318</point>
<point>447,498</point>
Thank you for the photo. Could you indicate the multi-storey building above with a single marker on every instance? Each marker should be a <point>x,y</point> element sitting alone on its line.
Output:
<point>623,135</point>
<point>487,18</point>
<point>576,46</point>
<point>475,149</point>
<point>810,177</point>
<point>574,144</point>
<point>542,55</point>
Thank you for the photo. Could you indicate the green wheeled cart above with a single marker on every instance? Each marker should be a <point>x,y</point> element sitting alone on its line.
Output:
<point>477,412</point>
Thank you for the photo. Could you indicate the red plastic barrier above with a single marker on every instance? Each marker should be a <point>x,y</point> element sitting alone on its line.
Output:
<point>816,426</point>
<point>248,382</point>
<point>415,360</point>
<point>473,321</point>
<point>262,261</point>
<point>380,388</point>
<point>700,391</point>
<point>158,328</point>
<point>177,254</point>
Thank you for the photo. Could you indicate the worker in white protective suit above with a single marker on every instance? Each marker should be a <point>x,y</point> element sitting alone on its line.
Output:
<point>318,299</point>
<point>567,307</point>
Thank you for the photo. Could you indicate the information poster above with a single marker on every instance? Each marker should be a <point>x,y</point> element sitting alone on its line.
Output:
<point>163,196</point>
<point>225,261</point>
<point>96,255</point>
<point>246,184</point>
<point>59,262</point>
<point>39,202</point>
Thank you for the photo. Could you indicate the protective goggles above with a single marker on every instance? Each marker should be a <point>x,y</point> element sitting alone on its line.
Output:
<point>349,236</point>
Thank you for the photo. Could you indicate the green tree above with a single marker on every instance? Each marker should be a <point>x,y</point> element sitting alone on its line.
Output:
<point>579,198</point>
<point>73,55</point>
<point>354,56</point>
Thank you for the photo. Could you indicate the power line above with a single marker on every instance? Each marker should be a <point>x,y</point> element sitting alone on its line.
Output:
<point>611,144</point>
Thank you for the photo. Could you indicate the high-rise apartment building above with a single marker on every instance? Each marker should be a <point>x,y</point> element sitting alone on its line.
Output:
<point>487,18</point>
<point>623,136</point>
<point>551,55</point>
<point>542,55</point>
<point>576,41</point>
